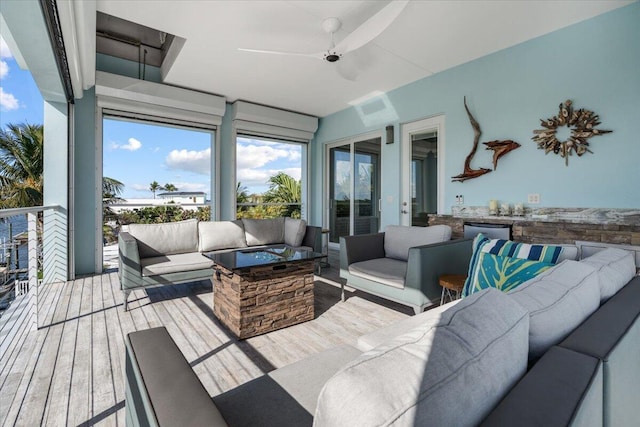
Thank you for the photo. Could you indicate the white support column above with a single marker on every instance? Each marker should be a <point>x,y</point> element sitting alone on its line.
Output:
<point>32,265</point>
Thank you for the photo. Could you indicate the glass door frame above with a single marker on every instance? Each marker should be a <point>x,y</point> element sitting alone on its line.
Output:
<point>436,123</point>
<point>351,142</point>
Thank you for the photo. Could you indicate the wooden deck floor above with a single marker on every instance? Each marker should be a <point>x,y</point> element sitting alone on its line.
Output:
<point>70,370</point>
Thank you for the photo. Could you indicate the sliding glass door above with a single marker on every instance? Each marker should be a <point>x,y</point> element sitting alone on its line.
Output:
<point>353,184</point>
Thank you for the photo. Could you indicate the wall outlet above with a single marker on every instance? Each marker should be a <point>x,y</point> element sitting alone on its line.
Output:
<point>533,198</point>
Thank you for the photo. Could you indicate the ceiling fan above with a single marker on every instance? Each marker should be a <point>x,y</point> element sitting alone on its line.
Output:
<point>362,35</point>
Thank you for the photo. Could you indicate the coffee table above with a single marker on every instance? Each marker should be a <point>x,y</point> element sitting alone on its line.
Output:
<point>256,291</point>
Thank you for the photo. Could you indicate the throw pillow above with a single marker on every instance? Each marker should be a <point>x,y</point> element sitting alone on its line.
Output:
<point>294,231</point>
<point>504,273</point>
<point>500,247</point>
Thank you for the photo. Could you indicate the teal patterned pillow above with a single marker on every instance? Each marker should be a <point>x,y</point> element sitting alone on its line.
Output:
<point>505,248</point>
<point>504,273</point>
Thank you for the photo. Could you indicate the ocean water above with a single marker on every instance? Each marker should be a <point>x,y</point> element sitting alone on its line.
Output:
<point>10,227</point>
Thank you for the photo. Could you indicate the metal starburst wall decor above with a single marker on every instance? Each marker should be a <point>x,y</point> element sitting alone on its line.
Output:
<point>582,124</point>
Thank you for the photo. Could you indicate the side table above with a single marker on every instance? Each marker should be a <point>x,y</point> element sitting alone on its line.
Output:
<point>452,285</point>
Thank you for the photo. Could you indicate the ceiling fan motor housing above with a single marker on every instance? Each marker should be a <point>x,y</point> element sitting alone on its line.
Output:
<point>331,57</point>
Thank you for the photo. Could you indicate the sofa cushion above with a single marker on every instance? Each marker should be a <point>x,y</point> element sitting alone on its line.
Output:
<point>558,300</point>
<point>451,374</point>
<point>294,231</point>
<point>385,334</point>
<point>482,244</point>
<point>504,273</point>
<point>216,235</point>
<point>175,263</point>
<point>263,231</point>
<point>615,268</point>
<point>398,238</point>
<point>388,271</point>
<point>165,239</point>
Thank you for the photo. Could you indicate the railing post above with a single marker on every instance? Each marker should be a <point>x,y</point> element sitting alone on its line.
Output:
<point>32,236</point>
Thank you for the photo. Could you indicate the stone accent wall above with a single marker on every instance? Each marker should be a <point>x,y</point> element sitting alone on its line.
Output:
<point>530,231</point>
<point>263,299</point>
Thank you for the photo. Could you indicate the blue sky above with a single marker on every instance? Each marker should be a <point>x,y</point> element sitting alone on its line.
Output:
<point>137,154</point>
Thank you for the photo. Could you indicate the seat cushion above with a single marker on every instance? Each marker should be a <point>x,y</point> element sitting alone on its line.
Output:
<point>385,334</point>
<point>165,239</point>
<point>550,254</point>
<point>615,268</point>
<point>174,263</point>
<point>398,238</point>
<point>388,271</point>
<point>217,235</point>
<point>294,231</point>
<point>263,231</point>
<point>450,374</point>
<point>558,300</point>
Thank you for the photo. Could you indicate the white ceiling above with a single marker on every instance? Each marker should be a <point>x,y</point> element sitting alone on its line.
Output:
<point>428,37</point>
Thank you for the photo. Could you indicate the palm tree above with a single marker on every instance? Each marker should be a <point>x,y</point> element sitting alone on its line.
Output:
<point>155,187</point>
<point>285,189</point>
<point>170,187</point>
<point>241,194</point>
<point>111,190</point>
<point>21,165</point>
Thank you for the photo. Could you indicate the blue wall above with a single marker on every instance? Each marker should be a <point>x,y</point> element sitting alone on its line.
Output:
<point>595,63</point>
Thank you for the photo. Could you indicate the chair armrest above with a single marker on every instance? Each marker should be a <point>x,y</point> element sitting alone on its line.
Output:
<point>313,238</point>
<point>161,387</point>
<point>129,268</point>
<point>359,248</point>
<point>427,263</point>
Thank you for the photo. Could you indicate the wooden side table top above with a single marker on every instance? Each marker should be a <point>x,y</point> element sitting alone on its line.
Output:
<point>455,282</point>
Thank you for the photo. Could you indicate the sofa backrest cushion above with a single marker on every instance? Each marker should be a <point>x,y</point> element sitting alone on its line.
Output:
<point>399,238</point>
<point>216,235</point>
<point>451,373</point>
<point>615,268</point>
<point>294,231</point>
<point>264,231</point>
<point>558,300</point>
<point>165,239</point>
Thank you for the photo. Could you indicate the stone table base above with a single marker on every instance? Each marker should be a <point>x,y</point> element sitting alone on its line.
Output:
<point>265,298</point>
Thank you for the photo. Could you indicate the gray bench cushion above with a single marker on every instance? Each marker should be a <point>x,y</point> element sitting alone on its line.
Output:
<point>176,396</point>
<point>165,239</point>
<point>294,231</point>
<point>398,238</point>
<point>452,374</point>
<point>216,235</point>
<point>286,396</point>
<point>264,231</point>
<point>174,263</point>
<point>388,271</point>
<point>563,389</point>
<point>615,268</point>
<point>558,300</point>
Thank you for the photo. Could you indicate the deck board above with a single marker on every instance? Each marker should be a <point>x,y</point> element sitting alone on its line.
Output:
<point>71,370</point>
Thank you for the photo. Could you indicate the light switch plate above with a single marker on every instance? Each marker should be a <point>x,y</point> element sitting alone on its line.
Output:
<point>533,198</point>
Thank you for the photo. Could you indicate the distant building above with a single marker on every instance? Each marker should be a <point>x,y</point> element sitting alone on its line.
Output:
<point>189,200</point>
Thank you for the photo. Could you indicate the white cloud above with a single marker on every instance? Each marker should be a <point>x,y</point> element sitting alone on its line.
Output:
<point>256,156</point>
<point>140,187</point>
<point>192,186</point>
<point>8,102</point>
<point>191,161</point>
<point>4,49</point>
<point>4,69</point>
<point>131,145</point>
<point>259,177</point>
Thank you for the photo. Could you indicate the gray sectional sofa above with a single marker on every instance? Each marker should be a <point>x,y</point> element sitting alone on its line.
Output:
<point>169,253</point>
<point>564,350</point>
<point>401,264</point>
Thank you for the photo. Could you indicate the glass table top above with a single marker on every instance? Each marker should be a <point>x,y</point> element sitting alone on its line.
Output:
<point>247,258</point>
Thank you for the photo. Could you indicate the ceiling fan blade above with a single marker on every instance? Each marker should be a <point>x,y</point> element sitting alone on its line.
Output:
<point>277,52</point>
<point>372,27</point>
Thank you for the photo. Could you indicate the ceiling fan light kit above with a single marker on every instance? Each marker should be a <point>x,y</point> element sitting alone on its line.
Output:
<point>365,33</point>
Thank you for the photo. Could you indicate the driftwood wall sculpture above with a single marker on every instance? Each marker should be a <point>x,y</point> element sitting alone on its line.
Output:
<point>500,148</point>
<point>582,124</point>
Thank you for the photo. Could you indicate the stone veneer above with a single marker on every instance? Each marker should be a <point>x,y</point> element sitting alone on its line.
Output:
<point>554,225</point>
<point>265,298</point>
